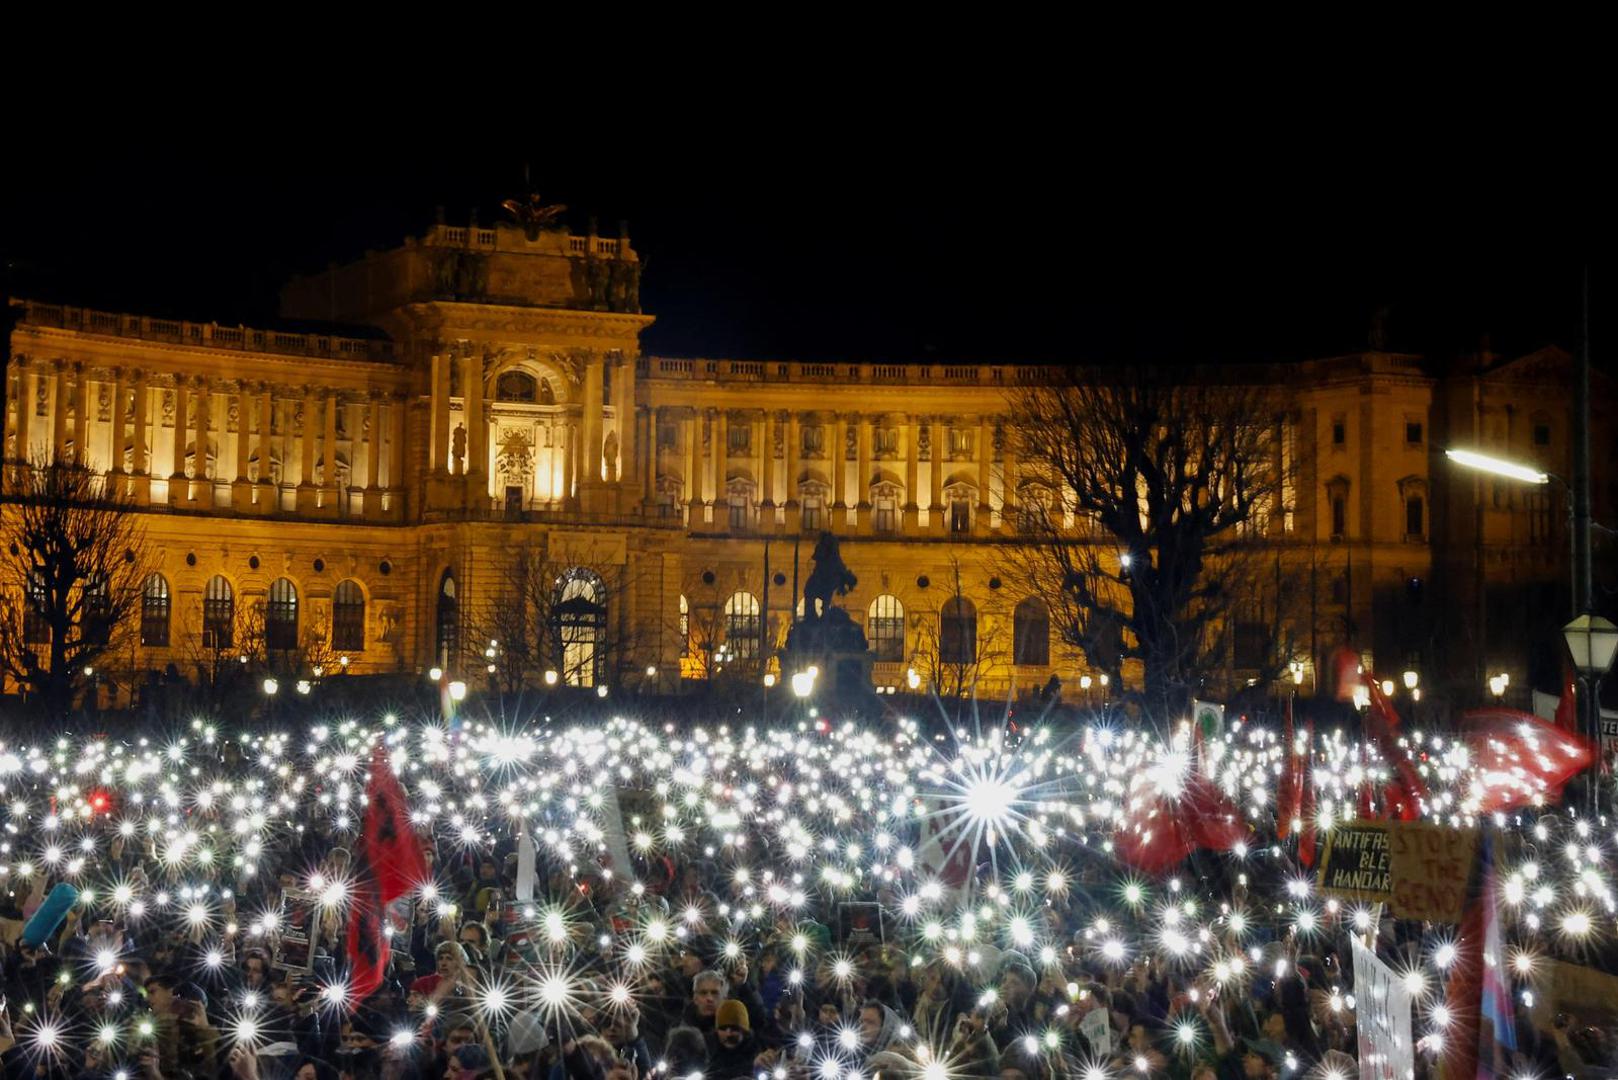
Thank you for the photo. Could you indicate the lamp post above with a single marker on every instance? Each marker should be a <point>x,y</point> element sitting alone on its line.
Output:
<point>1592,641</point>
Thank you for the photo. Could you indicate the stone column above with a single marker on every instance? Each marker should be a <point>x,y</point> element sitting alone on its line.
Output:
<point>720,460</point>
<point>911,507</point>
<point>202,486</point>
<point>594,377</point>
<point>772,428</point>
<point>862,482</point>
<point>569,453</point>
<point>59,414</point>
<point>691,429</point>
<point>935,509</point>
<point>269,497</point>
<point>985,452</point>
<point>623,387</point>
<point>839,459</point>
<point>25,413</point>
<point>794,446</point>
<point>438,427</point>
<point>81,415</point>
<point>477,432</point>
<point>140,463</point>
<point>241,491</point>
<point>396,462</point>
<point>120,392</point>
<point>328,456</point>
<point>308,493</point>
<point>373,449</point>
<point>1008,475</point>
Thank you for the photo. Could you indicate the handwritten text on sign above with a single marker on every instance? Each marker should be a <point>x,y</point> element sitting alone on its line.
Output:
<point>1420,871</point>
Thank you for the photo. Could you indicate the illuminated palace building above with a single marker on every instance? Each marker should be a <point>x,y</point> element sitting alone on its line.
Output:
<point>360,495</point>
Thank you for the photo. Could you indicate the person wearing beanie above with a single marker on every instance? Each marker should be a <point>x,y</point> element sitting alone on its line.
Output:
<point>731,1054</point>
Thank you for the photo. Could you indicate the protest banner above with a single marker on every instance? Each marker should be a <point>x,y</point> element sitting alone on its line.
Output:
<point>1419,870</point>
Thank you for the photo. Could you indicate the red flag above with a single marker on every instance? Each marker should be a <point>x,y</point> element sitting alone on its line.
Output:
<point>1406,791</point>
<point>388,864</point>
<point>1164,829</point>
<point>1519,756</point>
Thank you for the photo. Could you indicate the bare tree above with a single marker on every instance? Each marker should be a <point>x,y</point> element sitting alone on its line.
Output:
<point>71,578</point>
<point>541,614</point>
<point>1174,479</point>
<point>955,647</point>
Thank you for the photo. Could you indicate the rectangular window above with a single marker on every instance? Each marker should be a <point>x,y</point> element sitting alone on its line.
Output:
<point>1252,645</point>
<point>960,516</point>
<point>1339,516</point>
<point>886,515</point>
<point>813,439</point>
<point>738,512</point>
<point>1413,432</point>
<point>667,436</point>
<point>811,513</point>
<point>1339,431</point>
<point>960,442</point>
<point>1542,433</point>
<point>1415,517</point>
<point>887,441</point>
<point>741,438</point>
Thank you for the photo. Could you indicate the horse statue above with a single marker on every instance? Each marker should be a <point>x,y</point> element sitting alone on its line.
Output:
<point>829,577</point>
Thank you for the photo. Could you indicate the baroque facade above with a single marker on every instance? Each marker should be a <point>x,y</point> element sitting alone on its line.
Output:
<point>361,491</point>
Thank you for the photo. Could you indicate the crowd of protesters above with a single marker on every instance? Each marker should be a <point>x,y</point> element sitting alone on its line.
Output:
<point>478,986</point>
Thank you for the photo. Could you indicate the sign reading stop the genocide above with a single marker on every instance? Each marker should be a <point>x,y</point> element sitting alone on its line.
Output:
<point>1420,871</point>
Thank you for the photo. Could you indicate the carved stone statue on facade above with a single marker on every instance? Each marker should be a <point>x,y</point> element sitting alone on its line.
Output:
<point>598,280</point>
<point>457,444</point>
<point>533,215</point>
<point>924,442</point>
<point>609,452</point>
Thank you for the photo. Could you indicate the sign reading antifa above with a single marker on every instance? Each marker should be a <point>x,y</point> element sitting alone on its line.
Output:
<point>1420,871</point>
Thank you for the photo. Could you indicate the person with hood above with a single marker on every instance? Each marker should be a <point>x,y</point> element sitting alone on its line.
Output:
<point>880,1028</point>
<point>685,1053</point>
<point>731,1049</point>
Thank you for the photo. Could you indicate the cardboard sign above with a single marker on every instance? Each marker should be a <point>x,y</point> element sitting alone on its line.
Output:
<point>1420,871</point>
<point>1387,1050</point>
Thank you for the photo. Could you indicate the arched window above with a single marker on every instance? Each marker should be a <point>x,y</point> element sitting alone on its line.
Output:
<point>685,626</point>
<point>1031,633</point>
<point>449,619</point>
<point>516,386</point>
<point>218,613</point>
<point>154,612</point>
<point>885,628</point>
<point>348,617</point>
<point>579,627</point>
<point>958,631</point>
<point>742,625</point>
<point>281,616</point>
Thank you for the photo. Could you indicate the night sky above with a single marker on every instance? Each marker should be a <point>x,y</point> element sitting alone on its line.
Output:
<point>909,253</point>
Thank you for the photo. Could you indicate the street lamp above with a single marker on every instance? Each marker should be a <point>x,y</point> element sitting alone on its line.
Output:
<point>1512,470</point>
<point>270,687</point>
<point>457,691</point>
<point>1592,641</point>
<point>1412,680</point>
<point>1498,684</point>
<point>803,682</point>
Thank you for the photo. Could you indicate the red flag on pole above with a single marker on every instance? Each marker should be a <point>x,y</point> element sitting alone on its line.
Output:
<point>1520,757</point>
<point>1163,829</point>
<point>388,864</point>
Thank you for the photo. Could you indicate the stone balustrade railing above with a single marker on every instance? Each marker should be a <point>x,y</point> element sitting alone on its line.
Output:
<point>793,371</point>
<point>204,335</point>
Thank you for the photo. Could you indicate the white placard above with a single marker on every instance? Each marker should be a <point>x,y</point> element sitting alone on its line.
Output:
<point>1382,1019</point>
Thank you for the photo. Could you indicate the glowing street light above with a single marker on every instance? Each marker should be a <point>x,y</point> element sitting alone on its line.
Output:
<point>1412,679</point>
<point>457,690</point>
<point>803,682</point>
<point>435,673</point>
<point>550,678</point>
<point>912,679</point>
<point>1498,684</point>
<point>1471,459</point>
<point>271,686</point>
